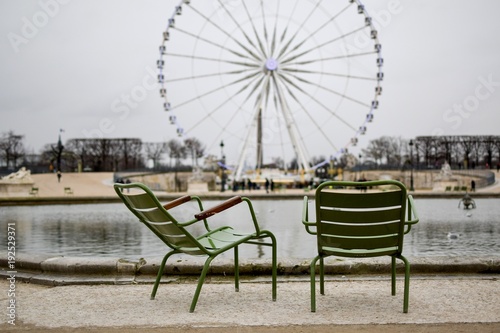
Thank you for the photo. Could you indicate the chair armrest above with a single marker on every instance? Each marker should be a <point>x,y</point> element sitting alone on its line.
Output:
<point>412,214</point>
<point>305,217</point>
<point>177,202</point>
<point>219,208</point>
<point>226,205</point>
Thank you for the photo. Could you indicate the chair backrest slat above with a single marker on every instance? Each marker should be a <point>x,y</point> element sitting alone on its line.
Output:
<point>144,204</point>
<point>361,230</point>
<point>139,201</point>
<point>360,216</point>
<point>362,200</point>
<point>359,243</point>
<point>153,215</point>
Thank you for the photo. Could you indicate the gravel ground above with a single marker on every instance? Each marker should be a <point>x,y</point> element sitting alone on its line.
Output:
<point>352,305</point>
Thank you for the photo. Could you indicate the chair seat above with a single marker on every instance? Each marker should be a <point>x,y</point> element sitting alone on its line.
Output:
<point>222,238</point>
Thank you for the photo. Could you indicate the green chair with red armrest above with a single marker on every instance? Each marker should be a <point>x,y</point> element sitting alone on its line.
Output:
<point>140,200</point>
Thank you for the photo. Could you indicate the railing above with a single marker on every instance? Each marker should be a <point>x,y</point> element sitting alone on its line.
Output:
<point>483,177</point>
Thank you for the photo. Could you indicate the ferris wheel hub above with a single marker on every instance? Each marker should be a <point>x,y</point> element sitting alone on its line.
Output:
<point>271,64</point>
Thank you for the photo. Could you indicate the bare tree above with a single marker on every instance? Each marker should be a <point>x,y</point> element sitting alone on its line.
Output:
<point>154,151</point>
<point>317,159</point>
<point>278,162</point>
<point>489,146</point>
<point>195,148</point>
<point>376,150</point>
<point>11,149</point>
<point>176,151</point>
<point>396,150</point>
<point>462,150</point>
<point>101,154</point>
<point>131,153</point>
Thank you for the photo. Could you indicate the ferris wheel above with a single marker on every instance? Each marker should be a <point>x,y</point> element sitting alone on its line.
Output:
<point>277,78</point>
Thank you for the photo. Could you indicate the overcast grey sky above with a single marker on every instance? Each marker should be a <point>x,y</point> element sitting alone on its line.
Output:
<point>73,64</point>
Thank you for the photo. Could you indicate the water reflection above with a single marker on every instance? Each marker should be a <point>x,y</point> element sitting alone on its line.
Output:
<point>109,230</point>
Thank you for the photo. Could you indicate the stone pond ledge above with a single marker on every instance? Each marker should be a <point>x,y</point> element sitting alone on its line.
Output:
<point>59,270</point>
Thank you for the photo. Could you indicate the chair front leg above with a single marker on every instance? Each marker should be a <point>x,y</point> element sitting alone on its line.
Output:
<point>274,264</point>
<point>236,270</point>
<point>313,283</point>
<point>407,284</point>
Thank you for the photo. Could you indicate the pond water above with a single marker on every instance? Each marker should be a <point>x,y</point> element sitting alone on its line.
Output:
<point>110,230</point>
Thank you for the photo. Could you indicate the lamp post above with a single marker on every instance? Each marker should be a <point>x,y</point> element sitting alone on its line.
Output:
<point>223,173</point>
<point>58,151</point>
<point>411,166</point>
<point>358,166</point>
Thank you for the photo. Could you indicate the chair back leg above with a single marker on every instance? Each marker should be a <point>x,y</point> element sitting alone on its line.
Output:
<point>160,274</point>
<point>200,283</point>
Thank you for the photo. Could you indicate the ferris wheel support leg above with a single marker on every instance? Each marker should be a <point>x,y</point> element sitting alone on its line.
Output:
<point>300,150</point>
<point>253,126</point>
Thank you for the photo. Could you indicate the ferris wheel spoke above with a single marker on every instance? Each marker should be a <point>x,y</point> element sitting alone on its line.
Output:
<point>326,108</point>
<point>214,111</point>
<point>319,46</point>
<point>225,126</point>
<point>324,25</point>
<point>306,19</point>
<point>351,55</point>
<point>352,99</point>
<point>342,57</point>
<point>218,27</point>
<point>217,89</point>
<point>205,76</point>
<point>264,28</point>
<point>347,76</point>
<point>218,60</point>
<point>337,93</point>
<point>285,31</point>
<point>222,47</point>
<point>256,35</point>
<point>318,126</point>
<point>237,24</point>
<point>275,30</point>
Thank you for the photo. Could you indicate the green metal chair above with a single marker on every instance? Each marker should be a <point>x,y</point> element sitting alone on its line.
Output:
<point>144,204</point>
<point>353,223</point>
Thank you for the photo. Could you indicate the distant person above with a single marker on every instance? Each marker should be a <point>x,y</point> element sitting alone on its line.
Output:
<point>473,186</point>
<point>272,185</point>
<point>267,185</point>
<point>59,175</point>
